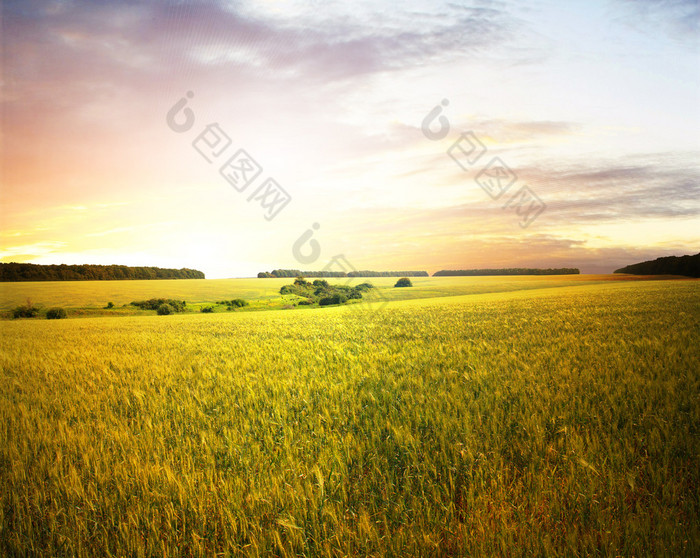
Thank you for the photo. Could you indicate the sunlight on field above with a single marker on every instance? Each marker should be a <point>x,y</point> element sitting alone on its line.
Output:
<point>515,424</point>
<point>97,294</point>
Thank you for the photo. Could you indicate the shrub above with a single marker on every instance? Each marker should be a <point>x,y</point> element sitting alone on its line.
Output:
<point>362,287</point>
<point>404,282</point>
<point>305,302</point>
<point>321,283</point>
<point>55,314</point>
<point>207,310</point>
<point>335,299</point>
<point>165,309</point>
<point>26,311</point>
<point>155,303</point>
<point>236,302</point>
<point>110,305</point>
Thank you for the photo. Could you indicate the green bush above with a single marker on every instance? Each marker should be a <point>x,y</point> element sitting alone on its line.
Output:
<point>323,292</point>
<point>26,311</point>
<point>165,309</point>
<point>110,305</point>
<point>155,303</point>
<point>207,310</point>
<point>335,299</point>
<point>404,282</point>
<point>363,287</point>
<point>235,303</point>
<point>55,314</point>
<point>353,293</point>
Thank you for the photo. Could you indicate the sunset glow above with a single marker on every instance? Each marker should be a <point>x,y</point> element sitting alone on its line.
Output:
<point>592,105</point>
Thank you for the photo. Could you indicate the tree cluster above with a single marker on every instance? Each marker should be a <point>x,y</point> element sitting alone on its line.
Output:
<point>275,273</point>
<point>25,311</point>
<point>366,273</point>
<point>28,310</point>
<point>235,303</point>
<point>156,303</point>
<point>321,292</point>
<point>86,272</point>
<point>56,314</point>
<point>506,271</point>
<point>671,265</point>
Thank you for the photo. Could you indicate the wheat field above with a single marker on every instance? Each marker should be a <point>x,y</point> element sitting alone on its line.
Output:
<point>560,418</point>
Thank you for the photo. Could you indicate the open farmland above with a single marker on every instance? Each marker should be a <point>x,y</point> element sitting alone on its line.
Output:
<point>87,297</point>
<point>558,418</point>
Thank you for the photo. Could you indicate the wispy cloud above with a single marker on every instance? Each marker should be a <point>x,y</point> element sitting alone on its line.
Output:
<point>680,19</point>
<point>617,191</point>
<point>594,106</point>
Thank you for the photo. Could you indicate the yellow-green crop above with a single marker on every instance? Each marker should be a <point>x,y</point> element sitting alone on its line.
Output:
<point>551,421</point>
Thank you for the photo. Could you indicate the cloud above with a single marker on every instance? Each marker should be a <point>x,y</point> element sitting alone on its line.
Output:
<point>651,201</point>
<point>89,42</point>
<point>28,251</point>
<point>615,191</point>
<point>85,74</point>
<point>679,19</point>
<point>329,96</point>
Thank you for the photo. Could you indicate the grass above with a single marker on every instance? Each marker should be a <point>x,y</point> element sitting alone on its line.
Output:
<point>90,297</point>
<point>546,421</point>
<point>96,294</point>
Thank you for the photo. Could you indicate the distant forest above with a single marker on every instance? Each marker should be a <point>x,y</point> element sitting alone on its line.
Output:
<point>506,271</point>
<point>365,273</point>
<point>671,265</point>
<point>86,272</point>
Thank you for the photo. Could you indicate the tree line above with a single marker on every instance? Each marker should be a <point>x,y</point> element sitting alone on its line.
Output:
<point>507,271</point>
<point>364,273</point>
<point>671,265</point>
<point>87,272</point>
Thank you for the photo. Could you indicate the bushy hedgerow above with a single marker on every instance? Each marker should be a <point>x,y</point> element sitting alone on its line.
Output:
<point>165,309</point>
<point>235,303</point>
<point>324,293</point>
<point>335,299</point>
<point>55,314</point>
<point>25,311</point>
<point>155,303</point>
<point>364,287</point>
<point>207,310</point>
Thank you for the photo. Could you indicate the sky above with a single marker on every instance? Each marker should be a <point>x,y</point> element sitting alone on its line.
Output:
<point>235,137</point>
